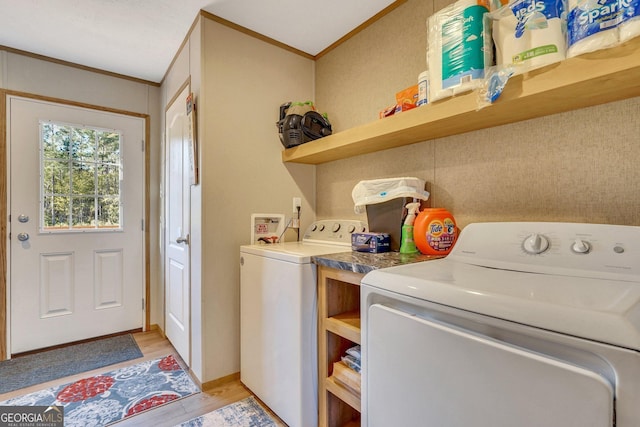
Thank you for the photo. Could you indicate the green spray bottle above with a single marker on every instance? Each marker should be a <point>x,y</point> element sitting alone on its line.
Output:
<point>407,245</point>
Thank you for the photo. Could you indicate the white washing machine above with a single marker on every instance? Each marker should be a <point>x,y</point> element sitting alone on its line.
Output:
<point>278,319</point>
<point>523,324</point>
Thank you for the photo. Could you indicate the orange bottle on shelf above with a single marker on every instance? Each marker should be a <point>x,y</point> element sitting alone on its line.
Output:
<point>435,231</point>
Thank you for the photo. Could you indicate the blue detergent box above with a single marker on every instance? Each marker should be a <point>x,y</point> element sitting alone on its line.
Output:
<point>371,242</point>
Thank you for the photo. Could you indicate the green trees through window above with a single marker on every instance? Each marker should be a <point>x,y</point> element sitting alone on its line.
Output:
<point>81,174</point>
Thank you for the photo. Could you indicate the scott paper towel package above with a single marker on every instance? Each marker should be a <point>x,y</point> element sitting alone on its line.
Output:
<point>529,34</point>
<point>459,48</point>
<point>600,24</point>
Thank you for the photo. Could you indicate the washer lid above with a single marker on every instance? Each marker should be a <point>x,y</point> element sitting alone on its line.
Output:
<point>296,252</point>
<point>602,310</point>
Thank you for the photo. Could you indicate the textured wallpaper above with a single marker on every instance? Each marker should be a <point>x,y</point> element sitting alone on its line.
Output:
<point>580,166</point>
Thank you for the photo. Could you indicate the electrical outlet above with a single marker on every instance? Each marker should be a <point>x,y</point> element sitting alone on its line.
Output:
<point>297,202</point>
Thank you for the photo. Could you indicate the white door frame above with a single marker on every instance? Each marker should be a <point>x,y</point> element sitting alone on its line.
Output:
<point>5,208</point>
<point>182,342</point>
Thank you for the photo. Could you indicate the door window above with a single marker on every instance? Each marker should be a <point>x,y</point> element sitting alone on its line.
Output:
<point>80,178</point>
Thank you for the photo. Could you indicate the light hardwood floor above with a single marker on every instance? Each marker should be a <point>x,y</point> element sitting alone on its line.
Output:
<point>153,345</point>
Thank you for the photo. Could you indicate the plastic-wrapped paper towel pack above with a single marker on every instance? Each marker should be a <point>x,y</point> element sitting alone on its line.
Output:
<point>600,24</point>
<point>459,48</point>
<point>529,34</point>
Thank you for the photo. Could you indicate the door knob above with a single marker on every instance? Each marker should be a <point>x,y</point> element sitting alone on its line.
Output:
<point>183,239</point>
<point>23,218</point>
<point>23,237</point>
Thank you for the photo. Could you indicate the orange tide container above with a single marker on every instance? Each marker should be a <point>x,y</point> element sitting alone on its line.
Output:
<point>435,231</point>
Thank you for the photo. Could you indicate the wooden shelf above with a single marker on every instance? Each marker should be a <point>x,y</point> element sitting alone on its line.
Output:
<point>343,393</point>
<point>591,79</point>
<point>346,325</point>
<point>338,330</point>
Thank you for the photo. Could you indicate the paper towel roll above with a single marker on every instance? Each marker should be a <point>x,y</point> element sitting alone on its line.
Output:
<point>630,28</point>
<point>457,50</point>
<point>550,43</point>
<point>529,33</point>
<point>507,45</point>
<point>593,25</point>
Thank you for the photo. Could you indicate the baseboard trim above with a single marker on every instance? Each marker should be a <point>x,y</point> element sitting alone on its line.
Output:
<point>220,381</point>
<point>155,327</point>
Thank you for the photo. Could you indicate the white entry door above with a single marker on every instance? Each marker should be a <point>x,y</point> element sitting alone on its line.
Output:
<point>76,205</point>
<point>177,208</point>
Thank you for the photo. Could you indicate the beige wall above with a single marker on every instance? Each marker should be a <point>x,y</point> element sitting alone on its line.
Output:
<point>34,76</point>
<point>239,83</point>
<point>244,80</point>
<point>577,166</point>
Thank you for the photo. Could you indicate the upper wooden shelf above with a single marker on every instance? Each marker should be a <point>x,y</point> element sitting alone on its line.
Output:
<point>591,79</point>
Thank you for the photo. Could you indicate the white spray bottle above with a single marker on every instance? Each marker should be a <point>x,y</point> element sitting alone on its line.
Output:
<point>407,245</point>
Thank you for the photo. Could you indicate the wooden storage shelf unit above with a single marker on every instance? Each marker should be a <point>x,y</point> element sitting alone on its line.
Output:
<point>591,79</point>
<point>338,330</point>
<point>346,325</point>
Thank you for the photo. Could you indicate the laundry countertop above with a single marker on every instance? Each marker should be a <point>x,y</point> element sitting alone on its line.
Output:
<point>363,262</point>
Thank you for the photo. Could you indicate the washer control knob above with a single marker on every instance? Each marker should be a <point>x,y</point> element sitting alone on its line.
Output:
<point>535,244</point>
<point>336,227</point>
<point>314,227</point>
<point>321,227</point>
<point>351,229</point>
<point>581,246</point>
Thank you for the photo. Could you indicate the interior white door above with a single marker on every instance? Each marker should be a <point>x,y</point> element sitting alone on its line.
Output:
<point>177,208</point>
<point>426,373</point>
<point>76,205</point>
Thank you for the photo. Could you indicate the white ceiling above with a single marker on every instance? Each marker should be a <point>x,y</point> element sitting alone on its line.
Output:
<point>139,38</point>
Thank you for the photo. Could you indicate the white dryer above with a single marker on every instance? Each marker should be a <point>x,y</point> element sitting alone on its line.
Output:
<point>278,319</point>
<point>523,324</point>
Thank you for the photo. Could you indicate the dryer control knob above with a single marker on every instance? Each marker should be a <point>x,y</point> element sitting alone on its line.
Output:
<point>581,246</point>
<point>351,229</point>
<point>336,227</point>
<point>535,244</point>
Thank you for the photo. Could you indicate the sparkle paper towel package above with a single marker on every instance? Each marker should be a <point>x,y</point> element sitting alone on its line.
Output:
<point>630,27</point>
<point>459,48</point>
<point>529,34</point>
<point>600,24</point>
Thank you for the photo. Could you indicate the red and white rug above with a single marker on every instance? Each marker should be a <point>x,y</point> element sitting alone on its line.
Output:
<point>110,397</point>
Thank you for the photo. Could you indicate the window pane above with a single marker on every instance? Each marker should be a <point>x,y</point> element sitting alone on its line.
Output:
<point>84,144</point>
<point>108,147</point>
<point>56,177</point>
<point>108,180</point>
<point>56,212</point>
<point>83,212</point>
<point>56,142</point>
<point>108,212</point>
<point>81,175</point>
<point>84,178</point>
<point>46,130</point>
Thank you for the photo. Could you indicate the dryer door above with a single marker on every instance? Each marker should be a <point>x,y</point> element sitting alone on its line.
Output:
<point>425,373</point>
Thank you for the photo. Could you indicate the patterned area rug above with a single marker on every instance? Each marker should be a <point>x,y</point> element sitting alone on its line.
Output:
<point>245,413</point>
<point>110,397</point>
